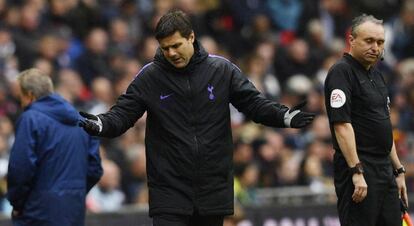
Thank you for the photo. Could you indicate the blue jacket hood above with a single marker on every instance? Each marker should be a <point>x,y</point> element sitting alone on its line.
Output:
<point>56,107</point>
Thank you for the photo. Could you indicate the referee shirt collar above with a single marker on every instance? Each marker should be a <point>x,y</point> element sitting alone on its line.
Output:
<point>355,63</point>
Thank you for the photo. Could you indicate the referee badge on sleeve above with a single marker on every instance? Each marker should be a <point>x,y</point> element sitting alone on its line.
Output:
<point>338,98</point>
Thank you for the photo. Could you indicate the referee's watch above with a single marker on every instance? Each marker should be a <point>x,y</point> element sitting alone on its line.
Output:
<point>399,171</point>
<point>357,169</point>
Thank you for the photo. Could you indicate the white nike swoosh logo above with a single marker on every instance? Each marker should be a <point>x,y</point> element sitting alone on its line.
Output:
<point>162,97</point>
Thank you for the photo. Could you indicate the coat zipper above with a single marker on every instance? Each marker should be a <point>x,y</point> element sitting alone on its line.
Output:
<point>195,180</point>
<point>192,117</point>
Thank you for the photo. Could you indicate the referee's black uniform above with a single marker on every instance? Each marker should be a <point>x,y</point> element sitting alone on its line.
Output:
<point>359,96</point>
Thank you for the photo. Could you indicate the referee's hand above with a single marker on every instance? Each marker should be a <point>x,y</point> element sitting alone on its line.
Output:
<point>361,187</point>
<point>402,188</point>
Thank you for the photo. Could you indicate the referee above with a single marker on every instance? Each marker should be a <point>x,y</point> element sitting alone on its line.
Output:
<point>369,178</point>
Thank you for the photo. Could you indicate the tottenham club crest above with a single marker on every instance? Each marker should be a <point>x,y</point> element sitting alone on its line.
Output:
<point>338,98</point>
<point>210,89</point>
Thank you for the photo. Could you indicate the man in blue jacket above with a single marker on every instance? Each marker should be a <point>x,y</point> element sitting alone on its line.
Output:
<point>53,163</point>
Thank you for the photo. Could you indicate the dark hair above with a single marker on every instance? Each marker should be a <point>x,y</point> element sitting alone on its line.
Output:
<point>362,19</point>
<point>172,22</point>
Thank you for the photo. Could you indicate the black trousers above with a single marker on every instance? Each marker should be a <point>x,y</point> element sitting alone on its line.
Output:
<point>381,206</point>
<point>184,220</point>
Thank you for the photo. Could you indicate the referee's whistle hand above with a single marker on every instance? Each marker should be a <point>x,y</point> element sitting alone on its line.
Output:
<point>402,188</point>
<point>361,188</point>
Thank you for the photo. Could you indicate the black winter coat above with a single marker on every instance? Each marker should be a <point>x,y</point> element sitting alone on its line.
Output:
<point>188,139</point>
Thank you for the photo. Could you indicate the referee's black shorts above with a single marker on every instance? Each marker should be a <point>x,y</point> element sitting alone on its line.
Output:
<point>184,220</point>
<point>381,206</point>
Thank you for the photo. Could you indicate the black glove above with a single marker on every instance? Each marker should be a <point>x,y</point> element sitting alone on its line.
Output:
<point>92,123</point>
<point>295,118</point>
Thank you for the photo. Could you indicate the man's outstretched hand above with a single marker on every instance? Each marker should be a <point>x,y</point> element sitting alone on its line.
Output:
<point>92,123</point>
<point>295,118</point>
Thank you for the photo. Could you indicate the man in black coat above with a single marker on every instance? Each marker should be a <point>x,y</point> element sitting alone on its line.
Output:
<point>186,93</point>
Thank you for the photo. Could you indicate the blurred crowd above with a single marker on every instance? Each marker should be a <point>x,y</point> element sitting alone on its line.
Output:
<point>92,49</point>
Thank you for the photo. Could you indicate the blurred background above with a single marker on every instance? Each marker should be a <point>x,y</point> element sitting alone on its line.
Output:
<point>92,49</point>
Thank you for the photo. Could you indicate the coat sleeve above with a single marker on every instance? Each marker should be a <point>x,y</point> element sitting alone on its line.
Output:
<point>248,100</point>
<point>95,170</point>
<point>22,162</point>
<point>129,107</point>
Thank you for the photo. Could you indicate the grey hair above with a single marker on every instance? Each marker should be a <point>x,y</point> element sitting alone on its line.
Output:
<point>362,19</point>
<point>35,82</point>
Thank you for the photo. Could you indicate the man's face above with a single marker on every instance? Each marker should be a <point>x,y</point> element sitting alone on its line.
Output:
<point>368,43</point>
<point>177,49</point>
<point>25,98</point>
